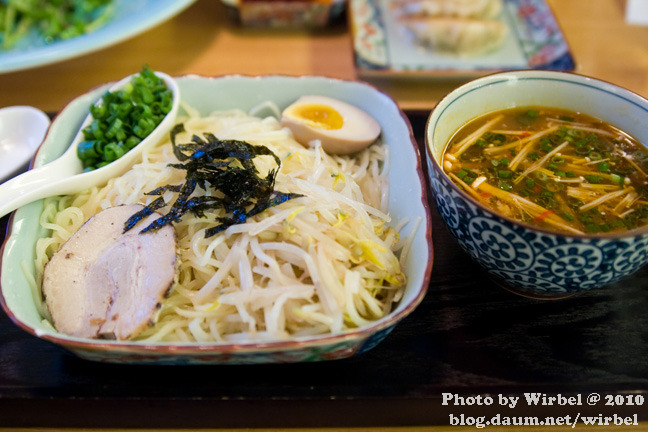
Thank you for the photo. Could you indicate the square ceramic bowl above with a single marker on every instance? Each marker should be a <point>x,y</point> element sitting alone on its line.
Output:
<point>522,258</point>
<point>407,200</point>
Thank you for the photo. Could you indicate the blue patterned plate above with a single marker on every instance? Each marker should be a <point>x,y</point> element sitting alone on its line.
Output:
<point>534,41</point>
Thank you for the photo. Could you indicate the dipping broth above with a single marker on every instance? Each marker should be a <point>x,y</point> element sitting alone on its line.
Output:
<point>552,168</point>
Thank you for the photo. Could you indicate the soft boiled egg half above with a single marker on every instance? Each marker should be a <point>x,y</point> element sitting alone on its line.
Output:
<point>340,127</point>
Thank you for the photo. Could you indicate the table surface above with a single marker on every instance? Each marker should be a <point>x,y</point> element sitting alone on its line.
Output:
<point>602,44</point>
<point>466,337</point>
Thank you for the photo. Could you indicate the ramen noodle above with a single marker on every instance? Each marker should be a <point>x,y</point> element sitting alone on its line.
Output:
<point>324,261</point>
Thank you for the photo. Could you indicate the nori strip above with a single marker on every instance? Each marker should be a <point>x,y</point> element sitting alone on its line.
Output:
<point>225,166</point>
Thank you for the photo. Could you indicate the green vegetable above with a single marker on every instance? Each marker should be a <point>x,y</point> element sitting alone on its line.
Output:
<point>593,155</point>
<point>592,228</point>
<point>123,118</point>
<point>604,167</point>
<point>52,19</point>
<point>527,118</point>
<point>539,175</point>
<point>558,160</point>
<point>592,178</point>
<point>616,179</point>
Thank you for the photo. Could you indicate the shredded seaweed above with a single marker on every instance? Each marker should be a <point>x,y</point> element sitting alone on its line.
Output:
<point>227,168</point>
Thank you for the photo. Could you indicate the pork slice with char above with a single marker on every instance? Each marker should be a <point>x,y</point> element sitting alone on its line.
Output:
<point>106,283</point>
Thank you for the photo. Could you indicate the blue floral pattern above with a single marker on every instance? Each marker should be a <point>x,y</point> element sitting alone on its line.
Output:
<point>631,258</point>
<point>450,212</point>
<point>500,246</point>
<point>569,261</point>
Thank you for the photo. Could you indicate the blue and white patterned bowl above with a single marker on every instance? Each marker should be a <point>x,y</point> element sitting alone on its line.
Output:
<point>526,259</point>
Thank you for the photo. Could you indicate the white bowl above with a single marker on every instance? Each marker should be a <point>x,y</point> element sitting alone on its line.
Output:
<point>407,200</point>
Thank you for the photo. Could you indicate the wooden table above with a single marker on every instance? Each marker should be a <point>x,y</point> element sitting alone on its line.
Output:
<point>603,45</point>
<point>205,40</point>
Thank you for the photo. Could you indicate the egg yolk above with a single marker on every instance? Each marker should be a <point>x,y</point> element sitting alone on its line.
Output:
<point>319,116</point>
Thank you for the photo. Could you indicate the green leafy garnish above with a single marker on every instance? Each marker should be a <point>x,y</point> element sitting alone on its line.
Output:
<point>123,118</point>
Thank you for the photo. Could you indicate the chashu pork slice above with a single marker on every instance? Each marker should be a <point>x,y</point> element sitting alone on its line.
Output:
<point>106,283</point>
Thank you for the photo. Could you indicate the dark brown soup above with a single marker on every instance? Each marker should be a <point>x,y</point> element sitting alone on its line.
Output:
<point>552,168</point>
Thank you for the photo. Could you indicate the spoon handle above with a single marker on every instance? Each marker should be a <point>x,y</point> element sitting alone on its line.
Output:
<point>47,180</point>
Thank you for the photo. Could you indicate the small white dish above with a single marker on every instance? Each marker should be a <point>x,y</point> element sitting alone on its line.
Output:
<point>22,129</point>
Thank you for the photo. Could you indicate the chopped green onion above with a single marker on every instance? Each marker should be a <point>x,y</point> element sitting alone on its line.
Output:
<point>604,167</point>
<point>617,223</point>
<point>124,118</point>
<point>558,160</point>
<point>593,155</point>
<point>592,178</point>
<point>113,151</point>
<point>592,228</point>
<point>86,150</point>
<point>527,118</point>
<point>540,176</point>
<point>546,147</point>
<point>505,185</point>
<point>616,179</point>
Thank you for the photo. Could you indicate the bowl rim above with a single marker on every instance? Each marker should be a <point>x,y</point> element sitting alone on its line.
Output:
<point>483,81</point>
<point>361,334</point>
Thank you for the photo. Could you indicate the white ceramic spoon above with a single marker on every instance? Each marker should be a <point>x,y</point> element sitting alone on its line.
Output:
<point>22,129</point>
<point>64,175</point>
